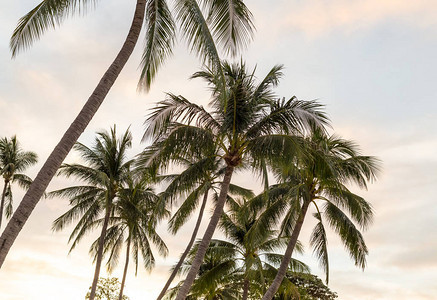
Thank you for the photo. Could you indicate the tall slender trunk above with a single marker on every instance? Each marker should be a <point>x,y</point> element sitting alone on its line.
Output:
<point>187,250</point>
<point>203,246</point>
<point>2,205</point>
<point>288,252</point>
<point>61,150</point>
<point>245,288</point>
<point>120,297</point>
<point>100,253</point>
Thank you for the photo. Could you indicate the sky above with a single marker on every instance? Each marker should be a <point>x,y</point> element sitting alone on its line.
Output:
<point>371,63</point>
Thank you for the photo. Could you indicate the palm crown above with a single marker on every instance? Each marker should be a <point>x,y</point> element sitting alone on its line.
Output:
<point>247,120</point>
<point>246,127</point>
<point>13,161</point>
<point>106,172</point>
<point>322,176</point>
<point>239,267</point>
<point>134,224</point>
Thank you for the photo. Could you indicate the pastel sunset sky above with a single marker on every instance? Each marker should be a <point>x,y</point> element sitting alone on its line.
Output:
<point>372,63</point>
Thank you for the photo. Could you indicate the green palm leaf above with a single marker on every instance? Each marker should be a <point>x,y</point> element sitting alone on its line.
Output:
<point>47,14</point>
<point>160,35</point>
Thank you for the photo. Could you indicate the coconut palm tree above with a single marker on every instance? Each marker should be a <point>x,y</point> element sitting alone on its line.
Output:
<point>133,224</point>
<point>321,179</point>
<point>106,171</point>
<point>197,181</point>
<point>229,23</point>
<point>13,161</point>
<point>242,264</point>
<point>253,245</point>
<point>248,125</point>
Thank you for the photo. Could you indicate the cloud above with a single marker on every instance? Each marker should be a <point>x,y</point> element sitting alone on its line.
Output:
<point>416,257</point>
<point>316,17</point>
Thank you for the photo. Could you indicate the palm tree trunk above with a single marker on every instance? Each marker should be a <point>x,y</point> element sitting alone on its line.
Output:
<point>287,256</point>
<point>203,246</point>
<point>187,250</point>
<point>100,253</point>
<point>2,205</point>
<point>245,288</point>
<point>61,150</point>
<point>120,297</point>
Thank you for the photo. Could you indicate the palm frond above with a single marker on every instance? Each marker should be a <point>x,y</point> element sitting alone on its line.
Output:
<point>319,242</point>
<point>185,210</point>
<point>23,180</point>
<point>231,23</point>
<point>177,109</point>
<point>294,266</point>
<point>359,209</point>
<point>160,36</point>
<point>349,234</point>
<point>263,90</point>
<point>236,190</point>
<point>47,14</point>
<point>196,31</point>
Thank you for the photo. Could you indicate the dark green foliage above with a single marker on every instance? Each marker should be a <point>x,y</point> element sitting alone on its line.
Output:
<point>309,287</point>
<point>13,161</point>
<point>319,177</point>
<point>105,172</point>
<point>247,254</point>
<point>107,289</point>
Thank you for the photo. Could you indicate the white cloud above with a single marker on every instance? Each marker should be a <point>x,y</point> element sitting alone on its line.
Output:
<point>317,17</point>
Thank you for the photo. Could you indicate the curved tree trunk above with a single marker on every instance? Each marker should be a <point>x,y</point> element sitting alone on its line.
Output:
<point>100,254</point>
<point>245,289</point>
<point>2,204</point>
<point>203,246</point>
<point>120,297</point>
<point>61,150</point>
<point>187,250</point>
<point>287,256</point>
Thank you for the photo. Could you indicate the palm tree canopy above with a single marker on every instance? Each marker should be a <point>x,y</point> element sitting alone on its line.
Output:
<point>13,162</point>
<point>322,178</point>
<point>134,222</point>
<point>248,252</point>
<point>247,122</point>
<point>105,171</point>
<point>229,23</point>
<point>13,159</point>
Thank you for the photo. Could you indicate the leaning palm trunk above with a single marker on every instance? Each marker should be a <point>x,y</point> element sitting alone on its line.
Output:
<point>120,296</point>
<point>2,205</point>
<point>203,246</point>
<point>100,253</point>
<point>187,250</point>
<point>61,150</point>
<point>288,252</point>
<point>245,288</point>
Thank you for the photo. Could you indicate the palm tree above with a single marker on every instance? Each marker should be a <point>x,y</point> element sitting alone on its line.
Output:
<point>13,161</point>
<point>231,26</point>
<point>241,265</point>
<point>253,245</point>
<point>322,177</point>
<point>105,172</point>
<point>199,178</point>
<point>133,223</point>
<point>247,125</point>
